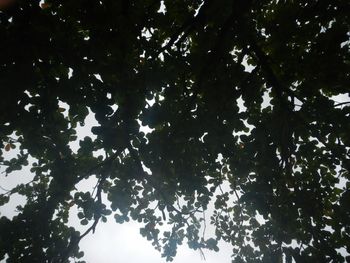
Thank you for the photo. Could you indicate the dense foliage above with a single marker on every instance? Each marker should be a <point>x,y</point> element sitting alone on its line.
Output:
<point>239,99</point>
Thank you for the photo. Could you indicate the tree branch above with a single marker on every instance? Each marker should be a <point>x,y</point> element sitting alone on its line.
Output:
<point>264,62</point>
<point>341,103</point>
<point>185,29</point>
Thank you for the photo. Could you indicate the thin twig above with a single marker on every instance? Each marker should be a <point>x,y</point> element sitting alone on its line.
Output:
<point>341,103</point>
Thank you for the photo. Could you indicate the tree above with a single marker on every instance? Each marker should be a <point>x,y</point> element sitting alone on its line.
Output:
<point>178,68</point>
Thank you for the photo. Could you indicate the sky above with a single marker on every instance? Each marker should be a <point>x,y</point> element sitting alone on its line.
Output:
<point>119,243</point>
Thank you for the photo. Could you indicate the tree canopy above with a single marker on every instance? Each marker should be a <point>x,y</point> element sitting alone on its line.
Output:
<point>239,100</point>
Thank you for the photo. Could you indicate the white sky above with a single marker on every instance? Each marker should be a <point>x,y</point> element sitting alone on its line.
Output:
<point>121,243</point>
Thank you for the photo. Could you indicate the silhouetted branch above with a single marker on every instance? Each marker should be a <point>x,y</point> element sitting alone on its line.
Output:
<point>341,103</point>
